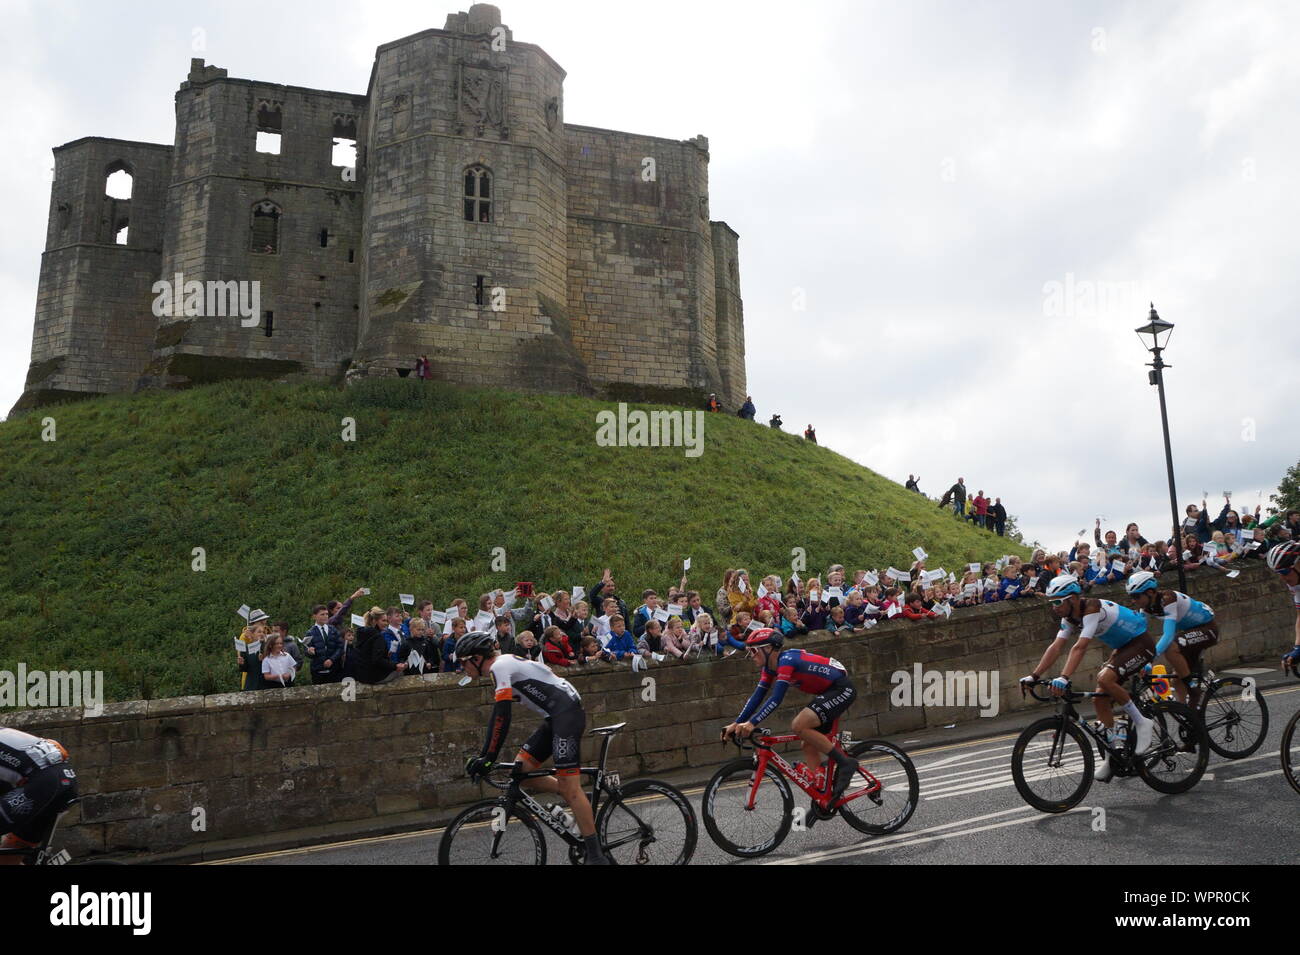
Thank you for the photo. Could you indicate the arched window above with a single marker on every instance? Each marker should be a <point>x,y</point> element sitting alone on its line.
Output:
<point>118,180</point>
<point>478,194</point>
<point>266,228</point>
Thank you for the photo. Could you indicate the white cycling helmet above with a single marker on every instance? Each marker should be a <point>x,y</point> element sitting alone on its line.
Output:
<point>1283,556</point>
<point>1140,582</point>
<point>1062,587</point>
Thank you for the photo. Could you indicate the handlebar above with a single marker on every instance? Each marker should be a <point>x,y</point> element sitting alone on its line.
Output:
<point>1069,696</point>
<point>750,742</point>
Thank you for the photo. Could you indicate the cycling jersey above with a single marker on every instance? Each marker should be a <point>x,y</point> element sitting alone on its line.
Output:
<point>1181,615</point>
<point>22,754</point>
<point>533,684</point>
<point>806,671</point>
<point>1113,624</point>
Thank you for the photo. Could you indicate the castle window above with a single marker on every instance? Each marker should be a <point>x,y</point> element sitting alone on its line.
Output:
<point>121,231</point>
<point>478,194</point>
<point>118,181</point>
<point>478,290</point>
<point>268,324</point>
<point>265,228</point>
<point>270,124</point>
<point>344,152</point>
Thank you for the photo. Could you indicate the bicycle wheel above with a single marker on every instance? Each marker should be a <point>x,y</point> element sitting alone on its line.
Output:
<point>889,809</point>
<point>1051,764</point>
<point>1235,717</point>
<point>484,835</point>
<point>1291,753</point>
<point>648,823</point>
<point>735,827</point>
<point>1181,750</point>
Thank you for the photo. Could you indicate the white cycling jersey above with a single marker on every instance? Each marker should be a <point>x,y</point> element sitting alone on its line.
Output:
<point>21,754</point>
<point>533,684</point>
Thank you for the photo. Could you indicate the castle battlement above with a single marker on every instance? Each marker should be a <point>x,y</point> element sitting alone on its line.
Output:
<point>474,227</point>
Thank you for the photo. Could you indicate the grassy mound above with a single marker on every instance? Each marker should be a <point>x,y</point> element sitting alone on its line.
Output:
<point>101,524</point>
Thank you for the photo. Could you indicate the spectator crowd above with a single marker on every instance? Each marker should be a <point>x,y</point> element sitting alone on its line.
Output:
<point>579,627</point>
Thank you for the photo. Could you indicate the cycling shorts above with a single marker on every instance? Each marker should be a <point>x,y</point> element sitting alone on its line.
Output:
<point>560,736</point>
<point>1132,657</point>
<point>1195,642</point>
<point>831,704</point>
<point>29,810</point>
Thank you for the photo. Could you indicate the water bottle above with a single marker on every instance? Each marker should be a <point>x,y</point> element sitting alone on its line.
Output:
<point>1120,737</point>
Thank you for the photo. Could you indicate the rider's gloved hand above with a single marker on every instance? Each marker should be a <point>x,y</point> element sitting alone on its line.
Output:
<point>1061,684</point>
<point>1029,679</point>
<point>476,767</point>
<point>1147,669</point>
<point>1291,659</point>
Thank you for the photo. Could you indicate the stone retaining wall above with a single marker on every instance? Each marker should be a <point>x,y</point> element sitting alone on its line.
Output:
<point>253,763</point>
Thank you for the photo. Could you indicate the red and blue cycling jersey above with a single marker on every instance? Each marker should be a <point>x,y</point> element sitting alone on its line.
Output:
<point>806,671</point>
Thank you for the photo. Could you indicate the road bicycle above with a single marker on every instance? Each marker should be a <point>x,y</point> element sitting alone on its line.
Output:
<point>44,853</point>
<point>1052,760</point>
<point>747,819</point>
<point>1232,709</point>
<point>643,822</point>
<point>1290,745</point>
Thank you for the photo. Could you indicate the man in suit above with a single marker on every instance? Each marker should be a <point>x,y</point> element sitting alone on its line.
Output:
<point>326,644</point>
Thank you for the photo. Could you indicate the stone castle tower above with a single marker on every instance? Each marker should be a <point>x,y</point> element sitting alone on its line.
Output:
<point>475,228</point>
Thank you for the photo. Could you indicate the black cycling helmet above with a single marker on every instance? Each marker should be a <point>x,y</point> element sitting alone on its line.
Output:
<point>765,637</point>
<point>476,643</point>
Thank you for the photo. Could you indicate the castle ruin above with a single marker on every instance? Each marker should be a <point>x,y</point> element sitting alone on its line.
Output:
<point>474,227</point>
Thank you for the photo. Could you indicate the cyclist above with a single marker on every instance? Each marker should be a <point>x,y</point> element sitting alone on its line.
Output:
<point>563,722</point>
<point>824,678</point>
<point>1121,629</point>
<point>1189,627</point>
<point>36,784</point>
<point>1282,560</point>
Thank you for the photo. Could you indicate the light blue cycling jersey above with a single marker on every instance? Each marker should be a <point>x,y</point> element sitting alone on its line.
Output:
<point>1114,625</point>
<point>1184,614</point>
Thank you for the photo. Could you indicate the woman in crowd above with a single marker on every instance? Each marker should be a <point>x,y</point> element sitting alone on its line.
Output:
<point>564,617</point>
<point>741,596</point>
<point>721,601</point>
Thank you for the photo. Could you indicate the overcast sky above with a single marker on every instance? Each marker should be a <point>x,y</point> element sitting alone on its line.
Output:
<point>916,175</point>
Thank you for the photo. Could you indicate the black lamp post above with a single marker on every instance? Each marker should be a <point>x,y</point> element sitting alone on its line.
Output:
<point>1159,331</point>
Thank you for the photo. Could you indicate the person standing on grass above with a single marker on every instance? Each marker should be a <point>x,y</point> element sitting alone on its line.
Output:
<point>957,493</point>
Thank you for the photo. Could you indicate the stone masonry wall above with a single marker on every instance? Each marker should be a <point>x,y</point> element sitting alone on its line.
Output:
<point>273,761</point>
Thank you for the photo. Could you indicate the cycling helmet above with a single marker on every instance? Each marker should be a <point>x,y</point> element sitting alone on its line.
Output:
<point>1283,556</point>
<point>475,643</point>
<point>1063,586</point>
<point>765,637</point>
<point>1140,583</point>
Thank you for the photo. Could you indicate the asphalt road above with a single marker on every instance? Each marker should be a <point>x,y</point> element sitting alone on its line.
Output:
<point>970,812</point>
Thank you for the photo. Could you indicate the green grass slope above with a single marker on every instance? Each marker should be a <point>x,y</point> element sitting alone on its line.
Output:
<point>100,525</point>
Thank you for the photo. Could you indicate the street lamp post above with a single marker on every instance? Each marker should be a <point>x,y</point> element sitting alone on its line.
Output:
<point>1160,331</point>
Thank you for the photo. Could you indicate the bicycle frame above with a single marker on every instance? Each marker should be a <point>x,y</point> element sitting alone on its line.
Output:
<point>765,756</point>
<point>1124,761</point>
<point>602,782</point>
